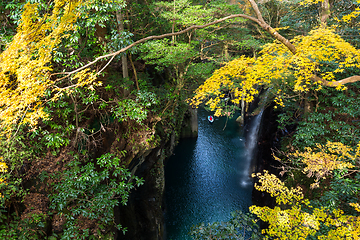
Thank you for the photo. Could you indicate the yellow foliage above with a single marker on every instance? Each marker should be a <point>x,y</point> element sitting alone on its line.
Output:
<point>3,169</point>
<point>295,218</point>
<point>321,46</point>
<point>292,222</point>
<point>223,80</point>
<point>271,184</point>
<point>3,166</point>
<point>354,14</point>
<point>308,2</point>
<point>356,206</point>
<point>243,77</point>
<point>325,159</point>
<point>25,65</point>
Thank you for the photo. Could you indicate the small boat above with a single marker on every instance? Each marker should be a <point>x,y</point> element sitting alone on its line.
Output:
<point>211,119</point>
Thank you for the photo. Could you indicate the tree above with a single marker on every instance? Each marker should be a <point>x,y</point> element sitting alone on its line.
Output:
<point>42,42</point>
<point>240,226</point>
<point>84,75</point>
<point>300,63</point>
<point>295,216</point>
<point>25,69</point>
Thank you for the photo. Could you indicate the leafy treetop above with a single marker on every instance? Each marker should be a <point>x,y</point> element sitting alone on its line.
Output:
<point>25,65</point>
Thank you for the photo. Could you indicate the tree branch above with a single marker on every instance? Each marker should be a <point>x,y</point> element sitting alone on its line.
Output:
<point>160,37</point>
<point>269,29</point>
<point>292,48</point>
<point>259,20</point>
<point>351,79</point>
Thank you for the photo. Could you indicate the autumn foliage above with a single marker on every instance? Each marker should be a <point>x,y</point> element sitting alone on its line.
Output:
<point>26,71</point>
<point>294,71</point>
<point>25,66</point>
<point>295,216</point>
<point>277,68</point>
<point>301,67</point>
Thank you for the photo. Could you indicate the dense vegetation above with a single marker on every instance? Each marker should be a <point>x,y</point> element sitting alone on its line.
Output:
<point>89,85</point>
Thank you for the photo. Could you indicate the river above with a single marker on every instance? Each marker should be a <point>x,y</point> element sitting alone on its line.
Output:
<point>207,178</point>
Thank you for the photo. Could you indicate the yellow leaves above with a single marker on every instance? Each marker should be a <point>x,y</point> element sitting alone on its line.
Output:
<point>297,219</point>
<point>343,226</point>
<point>225,79</point>
<point>25,66</point>
<point>271,184</point>
<point>3,166</point>
<point>278,100</point>
<point>324,160</point>
<point>244,76</point>
<point>85,77</point>
<point>3,169</point>
<point>357,153</point>
<point>319,48</point>
<point>347,18</point>
<point>311,221</point>
<point>356,206</point>
<point>354,14</point>
<point>309,2</point>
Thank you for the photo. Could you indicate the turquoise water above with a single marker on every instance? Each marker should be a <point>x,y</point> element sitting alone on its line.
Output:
<point>207,178</point>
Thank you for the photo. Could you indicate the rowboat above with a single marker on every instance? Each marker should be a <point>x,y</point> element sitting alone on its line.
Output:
<point>211,119</point>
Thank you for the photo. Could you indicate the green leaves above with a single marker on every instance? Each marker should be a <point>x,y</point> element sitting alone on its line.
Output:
<point>135,109</point>
<point>56,140</point>
<point>163,54</point>
<point>31,228</point>
<point>183,13</point>
<point>240,226</point>
<point>92,190</point>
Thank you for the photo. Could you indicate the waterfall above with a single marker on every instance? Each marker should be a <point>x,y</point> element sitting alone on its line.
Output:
<point>251,145</point>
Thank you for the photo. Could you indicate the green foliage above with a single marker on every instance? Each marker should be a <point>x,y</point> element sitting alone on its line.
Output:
<point>199,72</point>
<point>135,109</point>
<point>91,191</point>
<point>163,54</point>
<point>88,40</point>
<point>303,19</point>
<point>14,155</point>
<point>183,13</point>
<point>334,120</point>
<point>119,41</point>
<point>31,228</point>
<point>56,140</point>
<point>240,226</point>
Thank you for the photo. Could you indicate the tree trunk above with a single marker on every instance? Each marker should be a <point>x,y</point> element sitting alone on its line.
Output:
<point>226,51</point>
<point>173,25</point>
<point>307,104</point>
<point>324,12</point>
<point>125,69</point>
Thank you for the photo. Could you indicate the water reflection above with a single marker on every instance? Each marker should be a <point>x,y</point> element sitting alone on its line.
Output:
<point>204,179</point>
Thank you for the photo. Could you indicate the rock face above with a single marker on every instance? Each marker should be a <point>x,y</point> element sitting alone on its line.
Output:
<point>189,127</point>
<point>143,215</point>
<point>268,135</point>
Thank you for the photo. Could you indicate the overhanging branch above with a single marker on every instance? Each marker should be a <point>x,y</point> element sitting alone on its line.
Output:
<point>259,20</point>
<point>160,37</point>
<point>344,81</point>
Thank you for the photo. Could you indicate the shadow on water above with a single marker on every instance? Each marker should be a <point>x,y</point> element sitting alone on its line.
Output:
<point>207,178</point>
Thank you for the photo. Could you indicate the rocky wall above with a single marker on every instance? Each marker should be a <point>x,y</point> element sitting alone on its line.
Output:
<point>143,215</point>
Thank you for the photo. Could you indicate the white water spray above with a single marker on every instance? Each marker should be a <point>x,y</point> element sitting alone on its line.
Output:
<point>252,140</point>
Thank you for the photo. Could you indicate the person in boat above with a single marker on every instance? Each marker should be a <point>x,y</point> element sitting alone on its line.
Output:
<point>211,118</point>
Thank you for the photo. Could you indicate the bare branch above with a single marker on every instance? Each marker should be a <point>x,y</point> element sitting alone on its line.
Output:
<point>160,37</point>
<point>259,20</point>
<point>292,48</point>
<point>269,29</point>
<point>351,79</point>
